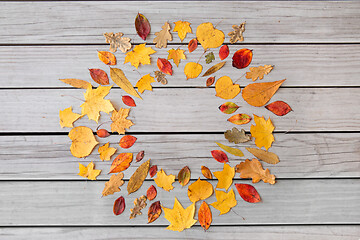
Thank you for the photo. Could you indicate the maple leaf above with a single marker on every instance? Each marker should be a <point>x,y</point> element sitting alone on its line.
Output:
<point>262,132</point>
<point>160,77</point>
<point>225,201</point>
<point>237,34</point>
<point>209,57</point>
<point>139,204</point>
<point>95,102</point>
<point>164,181</point>
<point>88,172</point>
<point>225,177</point>
<point>258,72</point>
<point>179,217</point>
<point>113,185</point>
<point>163,36</point>
<point>200,190</point>
<point>182,28</point>
<point>176,55</point>
<point>83,141</point>
<point>67,117</point>
<point>119,121</point>
<point>236,136</point>
<point>253,169</point>
<point>144,83</point>
<point>106,152</point>
<point>117,41</point>
<point>139,55</point>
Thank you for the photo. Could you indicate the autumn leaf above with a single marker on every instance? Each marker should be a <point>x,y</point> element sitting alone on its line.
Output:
<point>226,89</point>
<point>113,185</point>
<point>210,81</point>
<point>118,76</point>
<point>153,171</point>
<point>164,181</point>
<point>258,72</point>
<point>139,204</point>
<point>213,69</point>
<point>160,77</point>
<point>164,66</point>
<point>182,28</point>
<point>67,117</point>
<point>279,108</point>
<point>144,83</point>
<point>121,162</point>
<point>151,193</point>
<point>262,132</point>
<point>103,133</point>
<point>206,172</point>
<point>163,36</point>
<point>224,52</point>
<point>139,55</point>
<point>240,119</point>
<point>248,193</point>
<point>225,177</point>
<point>142,26</point>
<point>107,57</point>
<point>117,41</point>
<point>192,70</point>
<point>154,211</point>
<point>106,152</point>
<point>119,121</point>
<point>237,34</point>
<point>265,156</point>
<point>237,136</point>
<point>140,156</point>
<point>219,156</point>
<point>95,102</point>
<point>83,141</point>
<point>138,177</point>
<point>88,172</point>
<point>200,190</point>
<point>258,94</point>
<point>179,217</point>
<point>225,201</point>
<point>99,76</point>
<point>77,83</point>
<point>119,206</point>
<point>176,55</point>
<point>253,169</point>
<point>128,101</point>
<point>233,151</point>
<point>208,36</point>
<point>127,141</point>
<point>228,107</point>
<point>209,57</point>
<point>242,58</point>
<point>192,46</point>
<point>205,216</point>
<point>184,176</point>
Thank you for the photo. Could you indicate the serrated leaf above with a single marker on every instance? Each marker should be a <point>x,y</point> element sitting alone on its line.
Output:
<point>237,34</point>
<point>163,36</point>
<point>117,41</point>
<point>253,169</point>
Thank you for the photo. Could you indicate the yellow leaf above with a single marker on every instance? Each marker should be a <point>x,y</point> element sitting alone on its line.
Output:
<point>67,117</point>
<point>118,76</point>
<point>226,89</point>
<point>140,54</point>
<point>176,55</point>
<point>138,177</point>
<point>253,169</point>
<point>113,185</point>
<point>88,171</point>
<point>145,83</point>
<point>200,190</point>
<point>233,151</point>
<point>163,36</point>
<point>76,83</point>
<point>262,132</point>
<point>225,201</point>
<point>192,70</point>
<point>164,181</point>
<point>237,34</point>
<point>266,156</point>
<point>106,152</point>
<point>179,217</point>
<point>119,121</point>
<point>118,41</point>
<point>214,69</point>
<point>83,141</point>
<point>95,102</point>
<point>258,72</point>
<point>225,177</point>
<point>182,28</point>
<point>208,36</point>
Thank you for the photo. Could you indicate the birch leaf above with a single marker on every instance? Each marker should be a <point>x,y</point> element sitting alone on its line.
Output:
<point>237,34</point>
<point>118,76</point>
<point>138,177</point>
<point>182,28</point>
<point>163,36</point>
<point>233,151</point>
<point>265,156</point>
<point>237,136</point>
<point>258,72</point>
<point>144,83</point>
<point>200,190</point>
<point>117,41</point>
<point>192,70</point>
<point>67,117</point>
<point>113,185</point>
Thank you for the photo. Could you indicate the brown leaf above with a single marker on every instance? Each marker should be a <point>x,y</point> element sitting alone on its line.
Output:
<point>129,101</point>
<point>78,83</point>
<point>248,193</point>
<point>99,76</point>
<point>119,206</point>
<point>164,66</point>
<point>151,193</point>
<point>184,176</point>
<point>224,52</point>
<point>139,204</point>
<point>107,57</point>
<point>242,58</point>
<point>103,133</point>
<point>253,169</point>
<point>279,108</point>
<point>117,41</point>
<point>214,69</point>
<point>206,172</point>
<point>140,156</point>
<point>127,141</point>
<point>142,26</point>
<point>266,156</point>
<point>163,36</point>
<point>138,177</point>
<point>258,72</point>
<point>205,216</point>
<point>160,77</point>
<point>113,185</point>
<point>192,45</point>
<point>219,156</point>
<point>154,211</point>
<point>153,170</point>
<point>210,81</point>
<point>121,162</point>
<point>240,119</point>
<point>237,34</point>
<point>237,136</point>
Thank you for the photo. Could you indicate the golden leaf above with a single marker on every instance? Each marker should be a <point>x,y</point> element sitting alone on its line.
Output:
<point>119,121</point>
<point>192,70</point>
<point>233,151</point>
<point>106,152</point>
<point>67,117</point>
<point>139,55</point>
<point>225,201</point>
<point>117,41</point>
<point>262,132</point>
<point>266,156</point>
<point>113,185</point>
<point>145,83</point>
<point>118,76</point>
<point>208,36</point>
<point>164,181</point>
<point>214,69</point>
<point>226,89</point>
<point>88,172</point>
<point>237,34</point>
<point>182,28</point>
<point>139,204</point>
<point>163,36</point>
<point>176,55</point>
<point>179,217</point>
<point>253,169</point>
<point>83,141</point>
<point>258,72</point>
<point>206,172</point>
<point>225,177</point>
<point>78,83</point>
<point>138,177</point>
<point>200,190</point>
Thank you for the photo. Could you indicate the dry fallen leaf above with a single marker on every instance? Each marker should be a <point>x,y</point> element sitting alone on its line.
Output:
<point>258,72</point>
<point>154,211</point>
<point>206,172</point>
<point>103,133</point>
<point>228,107</point>
<point>237,136</point>
<point>137,179</point>
<point>224,52</point>
<point>210,81</point>
<point>240,119</point>
<point>192,70</point>
<point>164,181</point>
<point>121,162</point>
<point>119,121</point>
<point>142,26</point>
<point>253,169</point>
<point>219,156</point>
<point>67,117</point>
<point>140,156</point>
<point>179,217</point>
<point>144,83</point>
<point>88,172</point>
<point>208,36</point>
<point>225,177</point>
<point>127,141</point>
<point>153,171</point>
<point>262,132</point>
<point>117,41</point>
<point>237,34</point>
<point>119,206</point>
<point>163,36</point>
<point>248,193</point>
<point>164,66</point>
<point>151,193</point>
<point>192,46</point>
<point>233,151</point>
<point>113,185</point>
<point>279,108</point>
<point>213,69</point>
<point>77,83</point>
<point>176,55</point>
<point>265,156</point>
<point>139,204</point>
<point>107,57</point>
<point>160,77</point>
<point>209,57</point>
<point>184,176</point>
<point>128,101</point>
<point>182,28</point>
<point>99,76</point>
<point>106,152</point>
<point>205,216</point>
<point>83,141</point>
<point>225,201</point>
<point>200,190</point>
<point>226,89</point>
<point>118,76</point>
<point>242,58</point>
<point>139,55</point>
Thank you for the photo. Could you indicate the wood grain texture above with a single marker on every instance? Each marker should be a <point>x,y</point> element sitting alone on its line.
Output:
<point>302,65</point>
<point>301,155</point>
<point>286,202</point>
<point>271,22</point>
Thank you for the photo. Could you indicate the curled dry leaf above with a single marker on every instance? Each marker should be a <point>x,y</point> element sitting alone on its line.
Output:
<point>106,152</point>
<point>164,181</point>
<point>210,81</point>
<point>214,69</point>
<point>192,70</point>
<point>228,107</point>
<point>205,216</point>
<point>262,132</point>
<point>83,141</point>
<point>200,190</point>
<point>279,108</point>
<point>140,156</point>
<point>119,121</point>
<point>68,117</point>
<point>182,28</point>
<point>127,141</point>
<point>142,26</point>
<point>265,156</point>
<point>240,119</point>
<point>224,52</point>
<point>77,83</point>
<point>193,44</point>
<point>151,193</point>
<point>184,176</point>
<point>224,201</point>
<point>242,58</point>
<point>99,76</point>
<point>237,34</point>
<point>233,151</point>
<point>119,206</point>
<point>107,57</point>
<point>209,57</point>
<point>153,170</point>
<point>113,185</point>
<point>118,41</point>
<point>139,55</point>
<point>154,211</point>
<point>253,169</point>
<point>237,136</point>
<point>160,77</point>
<point>129,101</point>
<point>258,72</point>
<point>102,133</point>
<point>164,66</point>
<point>137,179</point>
<point>144,83</point>
<point>139,204</point>
<point>225,177</point>
<point>118,76</point>
<point>226,89</point>
<point>206,172</point>
<point>163,36</point>
<point>179,217</point>
<point>89,171</point>
<point>219,156</point>
<point>176,55</point>
<point>248,193</point>
<point>208,36</point>
<point>121,162</point>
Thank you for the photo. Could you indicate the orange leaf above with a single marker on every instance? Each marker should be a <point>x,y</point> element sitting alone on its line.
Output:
<point>224,52</point>
<point>107,57</point>
<point>99,76</point>
<point>210,81</point>
<point>219,156</point>
<point>153,170</point>
<point>206,172</point>
<point>253,169</point>
<point>151,193</point>
<point>127,141</point>
<point>164,66</point>
<point>279,108</point>
<point>248,193</point>
<point>121,162</point>
<point>192,45</point>
<point>242,58</point>
<point>240,119</point>
<point>154,211</point>
<point>103,133</point>
<point>129,101</point>
<point>205,216</point>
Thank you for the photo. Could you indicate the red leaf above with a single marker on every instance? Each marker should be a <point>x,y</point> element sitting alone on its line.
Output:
<point>248,193</point>
<point>219,156</point>
<point>142,26</point>
<point>151,193</point>
<point>210,81</point>
<point>240,119</point>
<point>242,58</point>
<point>164,66</point>
<point>103,133</point>
<point>119,206</point>
<point>127,141</point>
<point>140,156</point>
<point>127,100</point>
<point>99,76</point>
<point>192,45</point>
<point>228,107</point>
<point>154,211</point>
<point>224,52</point>
<point>279,108</point>
<point>153,171</point>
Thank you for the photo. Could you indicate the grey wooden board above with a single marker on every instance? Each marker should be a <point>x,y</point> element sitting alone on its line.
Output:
<point>271,22</point>
<point>302,65</point>
<point>301,155</point>
<point>331,232</point>
<point>183,110</point>
<point>69,203</point>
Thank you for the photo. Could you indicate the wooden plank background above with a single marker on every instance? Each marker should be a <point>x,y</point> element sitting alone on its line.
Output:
<point>314,45</point>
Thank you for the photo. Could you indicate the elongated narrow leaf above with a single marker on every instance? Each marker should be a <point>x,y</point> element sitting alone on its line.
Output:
<point>228,107</point>
<point>137,179</point>
<point>265,156</point>
<point>233,151</point>
<point>118,76</point>
<point>214,69</point>
<point>240,119</point>
<point>78,83</point>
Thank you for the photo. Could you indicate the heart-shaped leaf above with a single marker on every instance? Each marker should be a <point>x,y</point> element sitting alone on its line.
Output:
<point>226,89</point>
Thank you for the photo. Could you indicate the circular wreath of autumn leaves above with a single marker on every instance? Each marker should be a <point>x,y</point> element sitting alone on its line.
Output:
<point>255,94</point>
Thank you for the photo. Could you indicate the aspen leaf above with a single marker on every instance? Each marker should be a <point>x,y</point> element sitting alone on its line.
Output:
<point>200,190</point>
<point>265,156</point>
<point>117,41</point>
<point>226,89</point>
<point>242,58</point>
<point>144,83</point>
<point>121,162</point>
<point>279,108</point>
<point>164,66</point>
<point>119,121</point>
<point>179,217</point>
<point>225,201</point>
<point>258,94</point>
<point>240,119</point>
<point>214,69</point>
<point>103,133</point>
<point>95,102</point>
<point>228,107</point>
<point>106,152</point>
<point>248,193</point>
<point>237,136</point>
<point>107,57</point>
<point>83,141</point>
<point>99,76</point>
<point>77,83</point>
<point>176,55</point>
<point>164,181</point>
<point>160,77</point>
<point>163,36</point>
<point>128,101</point>
<point>142,26</point>
<point>67,117</point>
<point>182,28</point>
<point>262,132</point>
<point>139,204</point>
<point>118,76</point>
<point>237,34</point>
<point>184,176</point>
<point>138,177</point>
<point>253,169</point>
<point>208,36</point>
<point>139,55</point>
<point>209,57</point>
<point>206,172</point>
<point>193,44</point>
<point>151,193</point>
<point>88,172</point>
<point>225,177</point>
<point>154,211</point>
<point>224,52</point>
<point>153,170</point>
<point>205,216</point>
<point>192,70</point>
<point>219,156</point>
<point>113,185</point>
<point>127,141</point>
<point>119,206</point>
<point>233,151</point>
<point>258,72</point>
<point>210,81</point>
<point>140,156</point>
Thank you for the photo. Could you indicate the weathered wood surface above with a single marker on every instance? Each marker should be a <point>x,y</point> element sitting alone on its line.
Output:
<point>301,155</point>
<point>302,65</point>
<point>270,22</point>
